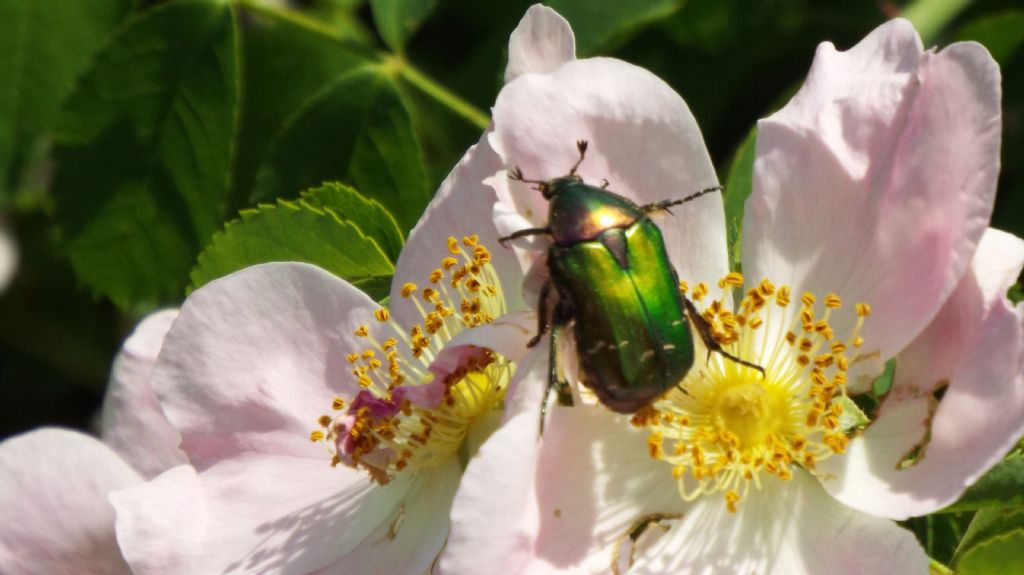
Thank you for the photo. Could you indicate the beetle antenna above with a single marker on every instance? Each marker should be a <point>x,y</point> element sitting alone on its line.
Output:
<point>581,145</point>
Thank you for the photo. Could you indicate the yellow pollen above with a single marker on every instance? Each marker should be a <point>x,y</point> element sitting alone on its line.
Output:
<point>683,287</point>
<point>384,431</point>
<point>726,426</point>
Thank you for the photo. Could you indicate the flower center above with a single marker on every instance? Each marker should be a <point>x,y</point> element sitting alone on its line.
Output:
<point>726,424</point>
<point>419,396</point>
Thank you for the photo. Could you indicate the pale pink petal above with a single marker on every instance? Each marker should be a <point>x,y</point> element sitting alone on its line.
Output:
<point>461,207</point>
<point>256,357</point>
<point>975,346</point>
<point>53,493</point>
<point>643,140</point>
<point>541,43</point>
<point>277,514</point>
<point>506,335</point>
<point>133,424</point>
<point>8,256</point>
<point>788,528</point>
<point>529,384</point>
<point>560,503</point>
<point>877,180</point>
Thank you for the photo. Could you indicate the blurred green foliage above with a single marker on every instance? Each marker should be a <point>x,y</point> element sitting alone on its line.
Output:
<point>133,132</point>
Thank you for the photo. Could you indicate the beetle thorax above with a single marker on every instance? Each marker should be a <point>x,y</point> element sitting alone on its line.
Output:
<point>580,213</point>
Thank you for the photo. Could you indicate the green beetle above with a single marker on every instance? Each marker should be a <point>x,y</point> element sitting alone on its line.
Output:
<point>610,276</point>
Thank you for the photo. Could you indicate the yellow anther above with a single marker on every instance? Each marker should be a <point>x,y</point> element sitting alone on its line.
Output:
<point>381,314</point>
<point>449,262</point>
<point>338,404</point>
<point>408,289</point>
<point>473,285</point>
<point>766,288</point>
<point>481,255</point>
<point>429,294</point>
<point>782,297</point>
<point>453,245</point>
<point>352,357</point>
<point>316,435</point>
<point>655,446</point>
<point>362,331</point>
<point>808,299</point>
<point>324,420</point>
<point>436,276</point>
<point>390,343</point>
<point>470,240</point>
<point>832,301</point>
<point>368,354</point>
<point>842,363</point>
<point>700,291</point>
<point>731,499</point>
<point>683,287</point>
<point>858,341</point>
<point>863,310</point>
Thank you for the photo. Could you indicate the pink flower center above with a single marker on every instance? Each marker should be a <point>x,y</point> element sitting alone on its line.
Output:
<point>419,396</point>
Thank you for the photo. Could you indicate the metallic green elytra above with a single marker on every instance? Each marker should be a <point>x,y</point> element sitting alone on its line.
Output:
<point>611,277</point>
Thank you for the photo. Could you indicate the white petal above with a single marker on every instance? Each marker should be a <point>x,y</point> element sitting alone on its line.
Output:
<point>788,528</point>
<point>975,346</point>
<point>558,504</point>
<point>256,357</point>
<point>877,180</point>
<point>541,43</point>
<point>133,423</point>
<point>53,492</point>
<point>260,514</point>
<point>462,206</point>
<point>8,256</point>
<point>642,138</point>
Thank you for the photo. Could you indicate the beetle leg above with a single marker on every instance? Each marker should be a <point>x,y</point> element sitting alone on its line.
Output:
<point>664,205</point>
<point>704,330</point>
<point>523,233</point>
<point>562,315</point>
<point>581,145</point>
<point>543,311</point>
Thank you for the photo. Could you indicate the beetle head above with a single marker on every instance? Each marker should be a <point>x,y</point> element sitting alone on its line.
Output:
<point>552,188</point>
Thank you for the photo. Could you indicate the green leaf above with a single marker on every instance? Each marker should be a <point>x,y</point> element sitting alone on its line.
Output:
<point>852,416</point>
<point>44,46</point>
<point>397,20</point>
<point>599,25</point>
<point>144,152</point>
<point>738,184</point>
<point>356,131</point>
<point>286,61</point>
<point>1002,486</point>
<point>993,544</point>
<point>298,231</point>
<point>445,125</point>
<point>1002,33</point>
<point>368,215</point>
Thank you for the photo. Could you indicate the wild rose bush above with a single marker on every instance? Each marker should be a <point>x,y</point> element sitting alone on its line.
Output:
<point>348,385</point>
